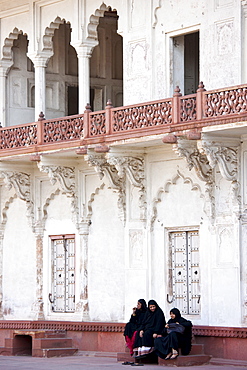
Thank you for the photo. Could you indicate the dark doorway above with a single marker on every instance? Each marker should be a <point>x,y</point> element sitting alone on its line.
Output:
<point>72,100</point>
<point>191,63</point>
<point>22,345</point>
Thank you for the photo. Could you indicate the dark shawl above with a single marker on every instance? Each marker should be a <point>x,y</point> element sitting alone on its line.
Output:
<point>136,320</point>
<point>186,337</point>
<point>154,321</point>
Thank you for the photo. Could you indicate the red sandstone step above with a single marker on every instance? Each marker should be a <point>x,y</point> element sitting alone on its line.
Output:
<point>190,360</point>
<point>52,343</point>
<point>53,352</point>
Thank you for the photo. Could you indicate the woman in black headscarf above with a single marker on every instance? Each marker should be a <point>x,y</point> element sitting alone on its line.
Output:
<point>134,323</point>
<point>152,326</point>
<point>177,335</point>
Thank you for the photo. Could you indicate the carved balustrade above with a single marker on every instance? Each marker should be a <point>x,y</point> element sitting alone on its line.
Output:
<point>62,129</point>
<point>18,136</point>
<point>225,101</point>
<point>188,108</point>
<point>142,116</point>
<point>174,114</point>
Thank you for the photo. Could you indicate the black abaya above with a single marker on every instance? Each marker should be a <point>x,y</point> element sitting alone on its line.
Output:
<point>164,345</point>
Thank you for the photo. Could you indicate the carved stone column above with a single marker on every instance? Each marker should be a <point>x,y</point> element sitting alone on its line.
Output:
<point>82,305</point>
<point>4,68</point>
<point>1,275</point>
<point>39,304</point>
<point>40,64</point>
<point>84,53</point>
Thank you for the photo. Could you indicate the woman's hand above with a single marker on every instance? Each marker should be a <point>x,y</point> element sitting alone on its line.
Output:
<point>167,326</point>
<point>141,333</point>
<point>155,335</point>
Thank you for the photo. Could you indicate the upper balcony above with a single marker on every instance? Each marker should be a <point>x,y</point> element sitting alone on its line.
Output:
<point>179,115</point>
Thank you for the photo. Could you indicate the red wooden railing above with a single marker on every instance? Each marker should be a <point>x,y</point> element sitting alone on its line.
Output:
<point>179,113</point>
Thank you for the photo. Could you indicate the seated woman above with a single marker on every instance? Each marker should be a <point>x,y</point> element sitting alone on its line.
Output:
<point>177,335</point>
<point>134,323</point>
<point>152,325</point>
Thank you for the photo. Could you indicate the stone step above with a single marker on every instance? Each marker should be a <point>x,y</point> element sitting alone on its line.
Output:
<point>190,360</point>
<point>96,354</point>
<point>52,343</point>
<point>53,352</point>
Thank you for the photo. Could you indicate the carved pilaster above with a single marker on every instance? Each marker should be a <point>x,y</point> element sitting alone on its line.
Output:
<point>82,305</point>
<point>117,183</point>
<point>1,275</point>
<point>133,169</point>
<point>38,307</point>
<point>64,175</point>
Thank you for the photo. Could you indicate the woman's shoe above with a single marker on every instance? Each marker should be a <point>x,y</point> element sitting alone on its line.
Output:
<point>168,356</point>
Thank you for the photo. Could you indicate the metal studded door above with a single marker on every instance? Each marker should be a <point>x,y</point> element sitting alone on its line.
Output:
<point>63,273</point>
<point>185,271</point>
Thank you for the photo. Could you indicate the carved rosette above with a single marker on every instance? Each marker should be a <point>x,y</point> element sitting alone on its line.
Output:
<point>133,169</point>
<point>117,183</point>
<point>65,176</point>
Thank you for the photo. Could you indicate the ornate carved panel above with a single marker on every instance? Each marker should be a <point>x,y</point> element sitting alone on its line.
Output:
<point>64,175</point>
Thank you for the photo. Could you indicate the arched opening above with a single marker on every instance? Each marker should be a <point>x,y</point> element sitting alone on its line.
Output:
<point>20,83</point>
<point>106,64</point>
<point>62,76</point>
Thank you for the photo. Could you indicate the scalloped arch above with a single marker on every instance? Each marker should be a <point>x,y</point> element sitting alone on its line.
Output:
<point>49,33</point>
<point>6,207</point>
<point>94,21</point>
<point>9,42</point>
<point>47,203</point>
<point>166,189</point>
<point>89,206</point>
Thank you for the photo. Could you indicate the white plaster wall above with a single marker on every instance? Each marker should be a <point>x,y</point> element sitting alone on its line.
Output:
<point>19,264</point>
<point>106,259</point>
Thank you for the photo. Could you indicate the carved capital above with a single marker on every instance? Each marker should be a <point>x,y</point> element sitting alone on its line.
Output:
<point>64,175</point>
<point>20,181</point>
<point>102,167</point>
<point>195,159</point>
<point>226,157</point>
<point>132,168</point>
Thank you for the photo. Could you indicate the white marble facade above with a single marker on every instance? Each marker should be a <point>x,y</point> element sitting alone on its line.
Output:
<point>124,207</point>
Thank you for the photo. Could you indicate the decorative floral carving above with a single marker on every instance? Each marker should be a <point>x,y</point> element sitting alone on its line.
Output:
<point>97,124</point>
<point>133,169</point>
<point>225,157</point>
<point>225,102</point>
<point>68,128</point>
<point>142,116</point>
<point>20,181</point>
<point>188,109</point>
<point>195,159</point>
<point>102,167</point>
<point>16,137</point>
<point>64,175</point>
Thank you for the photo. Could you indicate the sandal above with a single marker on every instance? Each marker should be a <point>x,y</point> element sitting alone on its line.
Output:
<point>127,363</point>
<point>174,356</point>
<point>168,356</point>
